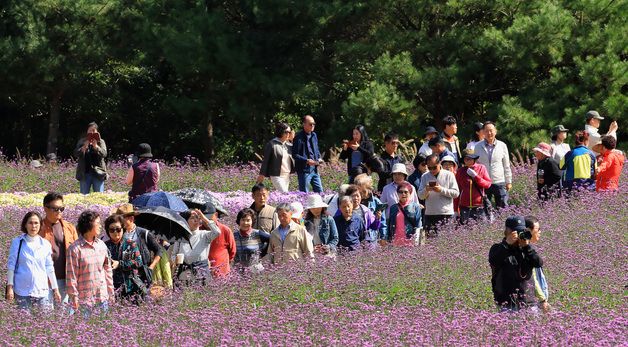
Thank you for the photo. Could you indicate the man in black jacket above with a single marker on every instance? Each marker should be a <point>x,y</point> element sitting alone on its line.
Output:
<point>390,157</point>
<point>512,262</point>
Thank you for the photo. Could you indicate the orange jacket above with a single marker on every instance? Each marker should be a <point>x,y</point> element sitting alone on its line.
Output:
<point>69,232</point>
<point>222,251</point>
<point>610,169</point>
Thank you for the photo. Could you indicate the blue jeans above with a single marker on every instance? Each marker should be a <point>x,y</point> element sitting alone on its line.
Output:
<point>64,295</point>
<point>28,302</point>
<point>308,177</point>
<point>500,193</point>
<point>87,311</point>
<point>92,181</point>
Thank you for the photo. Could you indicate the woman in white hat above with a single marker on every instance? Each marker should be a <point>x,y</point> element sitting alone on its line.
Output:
<point>320,226</point>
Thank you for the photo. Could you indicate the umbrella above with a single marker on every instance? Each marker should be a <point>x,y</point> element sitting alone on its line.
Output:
<point>197,198</point>
<point>163,221</point>
<point>163,199</point>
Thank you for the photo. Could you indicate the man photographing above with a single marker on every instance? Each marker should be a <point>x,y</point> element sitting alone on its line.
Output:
<point>512,262</point>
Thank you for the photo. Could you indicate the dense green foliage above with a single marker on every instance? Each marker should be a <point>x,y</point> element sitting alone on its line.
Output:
<point>208,78</point>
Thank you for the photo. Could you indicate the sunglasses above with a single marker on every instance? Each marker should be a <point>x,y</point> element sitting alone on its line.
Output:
<point>403,192</point>
<point>56,209</point>
<point>115,230</point>
<point>432,167</point>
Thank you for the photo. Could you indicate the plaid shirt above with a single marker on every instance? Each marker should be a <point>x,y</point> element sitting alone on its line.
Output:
<point>88,272</point>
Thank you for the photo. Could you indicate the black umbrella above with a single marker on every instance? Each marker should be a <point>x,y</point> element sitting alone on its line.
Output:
<point>197,198</point>
<point>163,221</point>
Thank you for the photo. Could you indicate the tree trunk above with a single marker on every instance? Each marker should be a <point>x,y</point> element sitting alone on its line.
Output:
<point>208,141</point>
<point>53,122</point>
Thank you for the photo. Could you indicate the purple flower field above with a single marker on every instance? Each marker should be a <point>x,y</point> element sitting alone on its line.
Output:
<point>435,295</point>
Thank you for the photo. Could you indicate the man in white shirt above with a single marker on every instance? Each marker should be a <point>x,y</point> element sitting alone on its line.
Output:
<point>439,189</point>
<point>592,127</point>
<point>494,155</point>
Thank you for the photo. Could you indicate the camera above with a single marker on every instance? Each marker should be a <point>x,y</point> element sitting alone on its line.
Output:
<point>525,234</point>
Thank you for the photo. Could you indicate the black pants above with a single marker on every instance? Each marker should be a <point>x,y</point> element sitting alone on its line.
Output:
<point>192,274</point>
<point>433,222</point>
<point>467,213</point>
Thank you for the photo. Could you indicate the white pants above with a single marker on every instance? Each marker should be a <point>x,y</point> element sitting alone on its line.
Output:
<point>282,184</point>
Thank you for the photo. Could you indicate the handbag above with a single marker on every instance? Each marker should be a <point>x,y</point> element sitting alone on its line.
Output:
<point>17,263</point>
<point>139,284</point>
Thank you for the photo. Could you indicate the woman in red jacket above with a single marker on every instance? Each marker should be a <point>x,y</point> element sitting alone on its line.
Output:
<point>609,169</point>
<point>472,179</point>
<point>223,248</point>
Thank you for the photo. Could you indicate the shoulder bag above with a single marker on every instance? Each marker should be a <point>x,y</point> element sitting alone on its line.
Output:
<point>17,264</point>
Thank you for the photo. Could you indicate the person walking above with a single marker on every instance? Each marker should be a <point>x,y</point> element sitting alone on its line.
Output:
<point>351,228</point>
<point>405,219</point>
<point>31,274</point>
<point>472,179</point>
<point>265,215</point>
<point>278,163</point>
<point>493,154</point>
<point>389,193</point>
<point>143,176</point>
<point>438,189</point>
<point>223,248</point>
<point>250,243</point>
<point>307,157</point>
<point>126,261</point>
<point>194,267</point>
<point>150,249</point>
<point>91,152</point>
<point>60,234</point>
<point>289,241</point>
<point>89,276</point>
<point>320,226</point>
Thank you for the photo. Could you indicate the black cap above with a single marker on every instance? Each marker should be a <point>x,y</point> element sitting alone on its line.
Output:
<point>209,209</point>
<point>477,126</point>
<point>430,130</point>
<point>516,223</point>
<point>144,151</point>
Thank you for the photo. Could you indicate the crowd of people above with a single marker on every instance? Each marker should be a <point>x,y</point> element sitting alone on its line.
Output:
<point>56,262</point>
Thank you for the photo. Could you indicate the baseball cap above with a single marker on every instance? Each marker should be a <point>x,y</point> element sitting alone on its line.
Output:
<point>594,114</point>
<point>516,223</point>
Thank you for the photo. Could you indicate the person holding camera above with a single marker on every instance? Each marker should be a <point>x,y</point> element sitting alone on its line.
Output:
<point>357,151</point>
<point>143,175</point>
<point>512,263</point>
<point>91,152</point>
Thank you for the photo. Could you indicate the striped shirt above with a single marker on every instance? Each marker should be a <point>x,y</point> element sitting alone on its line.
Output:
<point>248,249</point>
<point>88,272</point>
